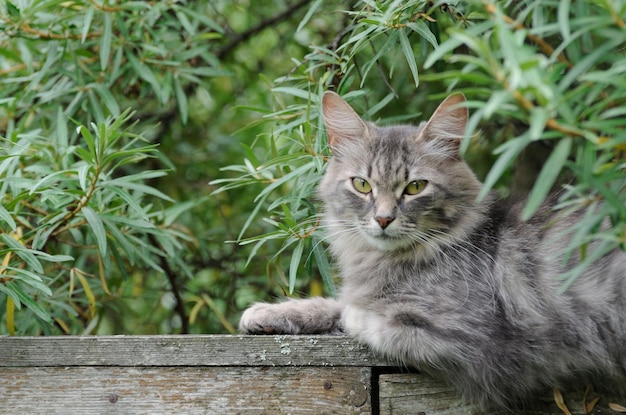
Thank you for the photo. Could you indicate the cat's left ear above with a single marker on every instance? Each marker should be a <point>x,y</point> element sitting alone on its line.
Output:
<point>342,122</point>
<point>447,124</point>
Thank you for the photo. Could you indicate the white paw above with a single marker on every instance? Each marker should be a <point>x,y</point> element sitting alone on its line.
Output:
<point>259,319</point>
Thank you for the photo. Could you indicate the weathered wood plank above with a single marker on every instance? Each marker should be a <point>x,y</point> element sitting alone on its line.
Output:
<point>185,390</point>
<point>223,375</point>
<point>193,350</point>
<point>416,393</point>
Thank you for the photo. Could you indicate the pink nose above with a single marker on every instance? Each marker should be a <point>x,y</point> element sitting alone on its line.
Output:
<point>384,221</point>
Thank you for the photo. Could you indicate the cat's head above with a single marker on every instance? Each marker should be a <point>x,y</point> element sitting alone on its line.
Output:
<point>399,187</point>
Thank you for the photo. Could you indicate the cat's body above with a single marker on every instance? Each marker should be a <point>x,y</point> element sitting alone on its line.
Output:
<point>433,278</point>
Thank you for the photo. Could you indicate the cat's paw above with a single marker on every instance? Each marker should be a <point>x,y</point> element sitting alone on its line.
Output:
<point>261,318</point>
<point>310,316</point>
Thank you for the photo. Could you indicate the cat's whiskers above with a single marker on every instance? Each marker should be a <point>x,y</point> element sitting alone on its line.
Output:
<point>338,228</point>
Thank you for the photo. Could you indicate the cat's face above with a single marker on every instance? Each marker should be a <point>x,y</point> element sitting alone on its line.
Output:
<point>393,188</point>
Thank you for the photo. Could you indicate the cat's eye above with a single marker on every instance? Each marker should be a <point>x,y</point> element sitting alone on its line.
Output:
<point>361,185</point>
<point>415,187</point>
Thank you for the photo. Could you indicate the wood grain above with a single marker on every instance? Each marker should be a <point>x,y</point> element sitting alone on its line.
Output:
<point>222,374</point>
<point>416,393</point>
<point>185,390</point>
<point>193,350</point>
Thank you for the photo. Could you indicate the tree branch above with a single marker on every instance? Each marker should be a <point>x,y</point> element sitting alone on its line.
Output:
<point>172,277</point>
<point>244,36</point>
<point>543,45</point>
<point>165,117</point>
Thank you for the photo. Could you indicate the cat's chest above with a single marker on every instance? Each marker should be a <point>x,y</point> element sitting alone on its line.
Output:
<point>373,296</point>
<point>388,274</point>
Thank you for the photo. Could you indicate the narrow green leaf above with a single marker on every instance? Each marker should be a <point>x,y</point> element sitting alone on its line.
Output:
<point>259,202</point>
<point>312,9</point>
<point>513,148</point>
<point>285,179</point>
<point>28,302</point>
<point>12,10</point>
<point>145,73</point>
<point>11,294</point>
<point>294,91</point>
<point>46,180</point>
<point>423,30</point>
<point>185,23</point>
<point>538,118</point>
<point>170,215</point>
<point>380,105</point>
<point>456,39</point>
<point>139,187</point>
<point>97,228</point>
<point>294,264</point>
<point>6,216</point>
<point>96,108</point>
<point>62,137</point>
<point>87,23</point>
<point>53,258</point>
<point>119,261</point>
<point>83,172</point>
<point>589,61</point>
<point>563,17</point>
<point>108,99</point>
<point>132,203</point>
<point>84,132</point>
<point>181,98</point>
<point>84,154</point>
<point>120,241</point>
<point>20,297</point>
<point>409,55</point>
<point>321,259</point>
<point>547,177</point>
<point>135,224</point>
<point>24,253</point>
<point>105,41</point>
<point>496,102</point>
<point>29,278</point>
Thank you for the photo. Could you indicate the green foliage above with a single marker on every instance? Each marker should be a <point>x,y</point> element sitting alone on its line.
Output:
<point>89,227</point>
<point>70,196</point>
<point>542,73</point>
<point>115,116</point>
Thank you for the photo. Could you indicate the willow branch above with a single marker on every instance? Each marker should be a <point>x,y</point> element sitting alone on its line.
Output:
<point>261,26</point>
<point>543,45</point>
<point>172,277</point>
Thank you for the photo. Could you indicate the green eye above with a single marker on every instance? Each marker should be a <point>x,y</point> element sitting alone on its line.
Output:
<point>361,185</point>
<point>415,187</point>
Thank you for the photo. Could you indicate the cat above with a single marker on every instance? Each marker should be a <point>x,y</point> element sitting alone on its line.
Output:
<point>436,279</point>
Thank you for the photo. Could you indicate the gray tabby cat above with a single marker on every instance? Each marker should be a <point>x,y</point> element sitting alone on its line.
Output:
<point>435,279</point>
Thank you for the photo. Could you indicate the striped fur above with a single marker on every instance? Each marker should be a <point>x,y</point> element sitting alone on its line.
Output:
<point>461,288</point>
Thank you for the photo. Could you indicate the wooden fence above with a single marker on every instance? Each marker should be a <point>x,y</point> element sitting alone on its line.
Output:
<point>215,374</point>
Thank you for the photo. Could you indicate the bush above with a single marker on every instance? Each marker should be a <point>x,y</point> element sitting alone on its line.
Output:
<point>545,83</point>
<point>113,117</point>
<point>112,125</point>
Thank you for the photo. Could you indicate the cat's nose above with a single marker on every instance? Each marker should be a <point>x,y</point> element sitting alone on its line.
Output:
<point>384,221</point>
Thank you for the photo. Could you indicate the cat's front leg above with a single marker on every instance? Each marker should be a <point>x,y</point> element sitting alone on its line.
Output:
<point>308,316</point>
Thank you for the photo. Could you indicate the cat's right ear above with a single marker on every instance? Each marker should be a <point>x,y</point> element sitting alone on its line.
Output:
<point>446,127</point>
<point>342,122</point>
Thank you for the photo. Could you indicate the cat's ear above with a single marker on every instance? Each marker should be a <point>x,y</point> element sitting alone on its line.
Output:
<point>342,122</point>
<point>447,124</point>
